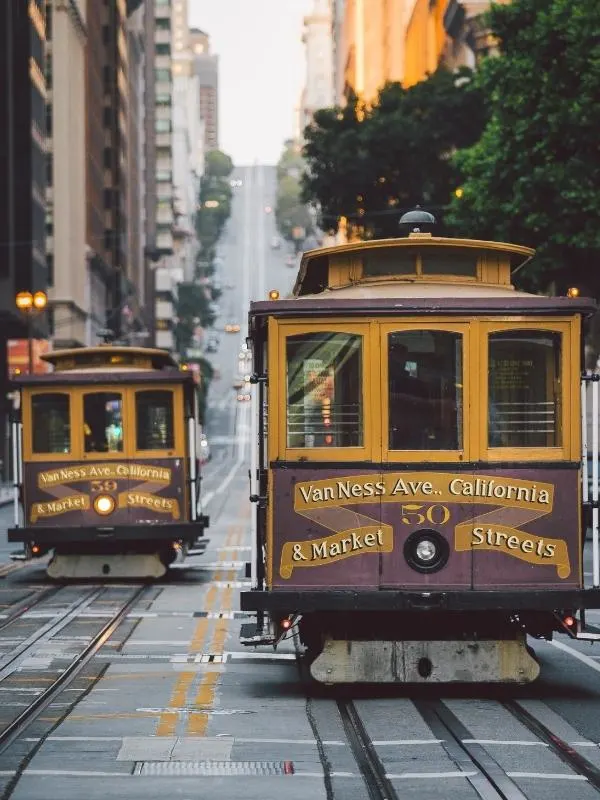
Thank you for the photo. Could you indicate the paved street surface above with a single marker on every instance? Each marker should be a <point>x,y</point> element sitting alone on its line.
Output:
<point>169,705</point>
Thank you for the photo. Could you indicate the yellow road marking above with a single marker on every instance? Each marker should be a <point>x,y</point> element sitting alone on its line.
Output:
<point>167,725</point>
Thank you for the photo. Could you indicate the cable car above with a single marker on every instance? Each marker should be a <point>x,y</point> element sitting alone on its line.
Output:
<point>418,465</point>
<point>105,463</point>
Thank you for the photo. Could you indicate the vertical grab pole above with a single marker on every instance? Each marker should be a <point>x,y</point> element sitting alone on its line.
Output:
<point>595,549</point>
<point>16,455</point>
<point>585,477</point>
<point>193,476</point>
<point>254,487</point>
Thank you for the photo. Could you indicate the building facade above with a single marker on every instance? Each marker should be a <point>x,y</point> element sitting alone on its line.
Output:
<point>206,68</point>
<point>68,275</point>
<point>318,42</point>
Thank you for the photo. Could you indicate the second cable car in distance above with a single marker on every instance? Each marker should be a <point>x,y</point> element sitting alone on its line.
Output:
<point>418,469</point>
<point>106,468</point>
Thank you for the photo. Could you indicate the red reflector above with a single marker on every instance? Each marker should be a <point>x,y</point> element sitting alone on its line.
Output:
<point>569,621</point>
<point>35,549</point>
<point>286,623</point>
<point>288,767</point>
<point>328,439</point>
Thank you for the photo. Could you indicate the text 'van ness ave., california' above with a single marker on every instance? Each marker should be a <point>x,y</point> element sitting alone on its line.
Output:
<point>438,486</point>
<point>114,471</point>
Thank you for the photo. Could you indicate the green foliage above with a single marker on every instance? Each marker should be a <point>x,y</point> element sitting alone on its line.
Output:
<point>370,164</point>
<point>214,203</point>
<point>532,178</point>
<point>290,208</point>
<point>218,164</point>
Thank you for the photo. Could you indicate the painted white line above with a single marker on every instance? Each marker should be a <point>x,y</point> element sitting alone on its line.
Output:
<point>429,775</point>
<point>263,656</point>
<point>80,739</point>
<point>551,776</point>
<point>397,742</point>
<point>505,741</point>
<point>576,654</point>
<point>74,773</point>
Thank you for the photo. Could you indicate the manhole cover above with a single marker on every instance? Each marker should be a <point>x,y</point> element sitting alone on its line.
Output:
<point>215,768</point>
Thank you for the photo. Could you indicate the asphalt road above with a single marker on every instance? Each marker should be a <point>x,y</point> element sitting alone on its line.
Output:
<point>172,705</point>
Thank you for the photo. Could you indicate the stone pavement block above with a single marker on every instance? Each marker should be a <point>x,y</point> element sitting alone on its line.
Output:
<point>146,748</point>
<point>190,748</point>
<point>60,787</point>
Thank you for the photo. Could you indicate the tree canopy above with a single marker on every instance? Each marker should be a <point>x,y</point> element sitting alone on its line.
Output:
<point>291,211</point>
<point>370,163</point>
<point>534,176</point>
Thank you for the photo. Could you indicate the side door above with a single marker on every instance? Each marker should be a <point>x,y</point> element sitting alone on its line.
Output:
<point>426,412</point>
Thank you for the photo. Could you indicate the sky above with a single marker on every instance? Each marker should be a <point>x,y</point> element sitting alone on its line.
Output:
<point>261,72</point>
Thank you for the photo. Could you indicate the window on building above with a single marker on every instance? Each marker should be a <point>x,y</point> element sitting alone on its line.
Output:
<point>324,390</point>
<point>50,423</point>
<point>162,125</point>
<point>154,420</point>
<point>103,422</point>
<point>524,389</point>
<point>163,75</point>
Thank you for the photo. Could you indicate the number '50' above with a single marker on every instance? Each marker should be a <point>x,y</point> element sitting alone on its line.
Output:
<point>413,514</point>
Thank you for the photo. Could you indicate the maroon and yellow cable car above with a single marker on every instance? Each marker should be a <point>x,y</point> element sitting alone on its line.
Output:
<point>105,465</point>
<point>418,471</point>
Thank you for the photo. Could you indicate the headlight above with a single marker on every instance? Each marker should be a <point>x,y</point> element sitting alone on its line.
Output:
<point>426,551</point>
<point>104,504</point>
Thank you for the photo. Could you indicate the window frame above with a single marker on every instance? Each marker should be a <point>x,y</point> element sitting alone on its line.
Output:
<point>278,448</point>
<point>28,451</point>
<point>76,395</point>
<point>178,414</point>
<point>570,414</point>
<point>451,325</point>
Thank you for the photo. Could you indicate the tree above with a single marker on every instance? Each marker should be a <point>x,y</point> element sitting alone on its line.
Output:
<point>218,164</point>
<point>370,164</point>
<point>291,210</point>
<point>532,178</point>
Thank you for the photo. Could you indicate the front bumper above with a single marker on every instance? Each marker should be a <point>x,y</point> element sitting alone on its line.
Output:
<point>398,600</point>
<point>50,537</point>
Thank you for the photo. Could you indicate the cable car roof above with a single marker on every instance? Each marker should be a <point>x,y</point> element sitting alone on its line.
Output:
<point>317,268</point>
<point>109,357</point>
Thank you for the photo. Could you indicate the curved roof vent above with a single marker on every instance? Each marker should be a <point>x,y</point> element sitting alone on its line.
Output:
<point>417,221</point>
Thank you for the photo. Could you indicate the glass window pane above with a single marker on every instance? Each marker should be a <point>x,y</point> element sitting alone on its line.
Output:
<point>449,263</point>
<point>389,261</point>
<point>425,390</point>
<point>103,422</point>
<point>324,390</point>
<point>524,388</point>
<point>50,423</point>
<point>154,420</point>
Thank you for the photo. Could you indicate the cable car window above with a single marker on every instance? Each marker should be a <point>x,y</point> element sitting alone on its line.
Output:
<point>524,389</point>
<point>324,390</point>
<point>103,422</point>
<point>50,423</point>
<point>154,420</point>
<point>425,390</point>
<point>389,261</point>
<point>449,263</point>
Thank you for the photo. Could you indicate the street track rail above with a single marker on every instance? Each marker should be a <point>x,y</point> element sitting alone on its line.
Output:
<point>378,784</point>
<point>15,728</point>
<point>490,780</point>
<point>21,607</point>
<point>564,751</point>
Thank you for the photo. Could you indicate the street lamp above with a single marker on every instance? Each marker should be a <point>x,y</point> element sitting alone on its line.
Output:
<point>30,305</point>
